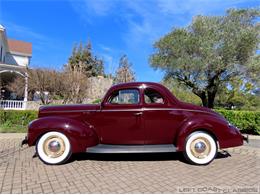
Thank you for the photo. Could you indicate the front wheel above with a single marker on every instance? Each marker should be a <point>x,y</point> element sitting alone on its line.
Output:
<point>200,148</point>
<point>53,148</point>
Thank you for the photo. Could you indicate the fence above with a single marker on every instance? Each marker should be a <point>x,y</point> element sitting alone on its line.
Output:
<point>12,105</point>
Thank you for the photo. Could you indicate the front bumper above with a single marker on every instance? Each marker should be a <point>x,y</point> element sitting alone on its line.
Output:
<point>25,141</point>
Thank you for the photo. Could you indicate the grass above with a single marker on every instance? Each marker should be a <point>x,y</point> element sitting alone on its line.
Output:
<point>13,129</point>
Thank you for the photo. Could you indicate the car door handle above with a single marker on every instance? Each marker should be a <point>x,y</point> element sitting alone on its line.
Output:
<point>138,113</point>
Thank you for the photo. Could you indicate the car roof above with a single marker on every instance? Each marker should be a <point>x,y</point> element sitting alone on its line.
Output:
<point>139,84</point>
<point>136,84</point>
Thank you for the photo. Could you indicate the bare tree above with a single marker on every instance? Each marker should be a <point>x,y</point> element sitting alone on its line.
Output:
<point>124,72</point>
<point>42,81</point>
<point>74,86</point>
<point>17,85</point>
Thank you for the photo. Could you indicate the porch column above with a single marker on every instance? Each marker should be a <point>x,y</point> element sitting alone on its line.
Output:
<point>25,90</point>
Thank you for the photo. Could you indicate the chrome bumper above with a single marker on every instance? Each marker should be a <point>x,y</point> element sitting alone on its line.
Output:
<point>25,141</point>
<point>245,138</point>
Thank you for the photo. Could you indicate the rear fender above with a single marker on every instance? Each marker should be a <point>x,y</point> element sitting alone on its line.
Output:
<point>80,134</point>
<point>190,126</point>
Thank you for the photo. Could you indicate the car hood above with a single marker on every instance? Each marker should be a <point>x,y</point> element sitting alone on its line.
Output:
<point>69,108</point>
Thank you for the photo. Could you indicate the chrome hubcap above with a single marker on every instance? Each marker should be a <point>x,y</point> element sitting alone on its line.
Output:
<point>200,147</point>
<point>54,146</point>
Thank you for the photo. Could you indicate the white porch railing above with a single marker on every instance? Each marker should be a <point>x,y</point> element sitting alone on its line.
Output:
<point>12,105</point>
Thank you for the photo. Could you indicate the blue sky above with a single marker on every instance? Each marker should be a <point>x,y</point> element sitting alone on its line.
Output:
<point>115,27</point>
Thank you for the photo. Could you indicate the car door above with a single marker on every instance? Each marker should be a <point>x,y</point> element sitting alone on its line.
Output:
<point>122,118</point>
<point>160,119</point>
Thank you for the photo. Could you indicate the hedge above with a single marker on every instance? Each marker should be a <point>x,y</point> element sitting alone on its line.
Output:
<point>246,121</point>
<point>17,121</point>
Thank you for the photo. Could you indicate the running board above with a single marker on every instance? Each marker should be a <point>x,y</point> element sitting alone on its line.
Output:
<point>107,148</point>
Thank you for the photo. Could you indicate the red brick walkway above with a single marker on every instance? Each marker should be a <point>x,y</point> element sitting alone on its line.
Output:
<point>135,173</point>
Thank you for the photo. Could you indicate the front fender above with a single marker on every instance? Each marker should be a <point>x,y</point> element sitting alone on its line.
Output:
<point>80,134</point>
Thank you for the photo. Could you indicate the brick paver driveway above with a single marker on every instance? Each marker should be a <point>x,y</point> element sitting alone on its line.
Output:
<point>237,171</point>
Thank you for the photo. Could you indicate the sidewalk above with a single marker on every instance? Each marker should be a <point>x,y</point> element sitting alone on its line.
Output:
<point>12,135</point>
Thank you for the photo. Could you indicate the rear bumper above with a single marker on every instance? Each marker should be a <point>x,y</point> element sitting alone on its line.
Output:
<point>245,138</point>
<point>232,138</point>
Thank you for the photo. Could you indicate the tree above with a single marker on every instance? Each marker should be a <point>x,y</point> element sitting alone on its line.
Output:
<point>209,52</point>
<point>124,72</point>
<point>75,86</point>
<point>46,82</point>
<point>18,86</point>
<point>181,92</point>
<point>68,85</point>
<point>83,60</point>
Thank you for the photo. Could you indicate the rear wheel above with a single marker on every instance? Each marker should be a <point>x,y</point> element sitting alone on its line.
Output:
<point>53,148</point>
<point>200,148</point>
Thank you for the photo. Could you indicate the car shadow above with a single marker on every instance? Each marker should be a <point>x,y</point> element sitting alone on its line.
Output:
<point>177,156</point>
<point>223,154</point>
<point>128,157</point>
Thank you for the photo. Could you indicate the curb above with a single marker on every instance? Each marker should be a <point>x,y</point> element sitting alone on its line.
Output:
<point>252,137</point>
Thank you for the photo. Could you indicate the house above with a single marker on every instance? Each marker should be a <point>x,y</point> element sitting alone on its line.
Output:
<point>15,56</point>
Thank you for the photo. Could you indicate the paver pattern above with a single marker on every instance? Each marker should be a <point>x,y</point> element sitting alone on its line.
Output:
<point>237,171</point>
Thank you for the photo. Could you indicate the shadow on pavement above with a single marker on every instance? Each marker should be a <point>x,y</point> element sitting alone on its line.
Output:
<point>223,154</point>
<point>128,157</point>
<point>137,157</point>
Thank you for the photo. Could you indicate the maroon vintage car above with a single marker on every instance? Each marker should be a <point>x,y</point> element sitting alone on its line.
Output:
<point>138,117</point>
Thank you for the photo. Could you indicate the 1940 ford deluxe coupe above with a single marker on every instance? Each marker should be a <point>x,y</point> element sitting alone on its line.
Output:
<point>138,117</point>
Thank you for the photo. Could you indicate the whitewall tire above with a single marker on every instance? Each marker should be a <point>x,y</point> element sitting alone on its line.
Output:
<point>200,148</point>
<point>53,148</point>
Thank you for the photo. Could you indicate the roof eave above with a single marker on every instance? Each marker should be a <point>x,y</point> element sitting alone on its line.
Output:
<point>20,53</point>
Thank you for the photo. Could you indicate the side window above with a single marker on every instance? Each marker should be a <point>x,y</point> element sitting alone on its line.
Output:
<point>125,96</point>
<point>152,96</point>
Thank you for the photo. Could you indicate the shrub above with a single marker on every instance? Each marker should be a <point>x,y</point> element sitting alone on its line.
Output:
<point>246,121</point>
<point>97,101</point>
<point>16,120</point>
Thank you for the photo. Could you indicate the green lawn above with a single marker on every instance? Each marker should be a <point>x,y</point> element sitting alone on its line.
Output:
<point>13,129</point>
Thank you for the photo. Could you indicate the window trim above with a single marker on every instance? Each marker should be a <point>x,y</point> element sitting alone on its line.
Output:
<point>165,101</point>
<point>114,104</point>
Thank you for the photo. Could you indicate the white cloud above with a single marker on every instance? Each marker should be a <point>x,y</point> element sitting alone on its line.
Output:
<point>24,31</point>
<point>194,7</point>
<point>146,21</point>
<point>89,9</point>
<point>110,56</point>
<point>105,48</point>
<point>100,7</point>
<point>40,41</point>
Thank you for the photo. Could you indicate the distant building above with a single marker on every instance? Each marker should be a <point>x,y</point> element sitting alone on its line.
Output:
<point>15,56</point>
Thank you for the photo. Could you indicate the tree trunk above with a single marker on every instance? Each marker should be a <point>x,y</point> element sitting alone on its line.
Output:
<point>211,98</point>
<point>202,95</point>
<point>204,100</point>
